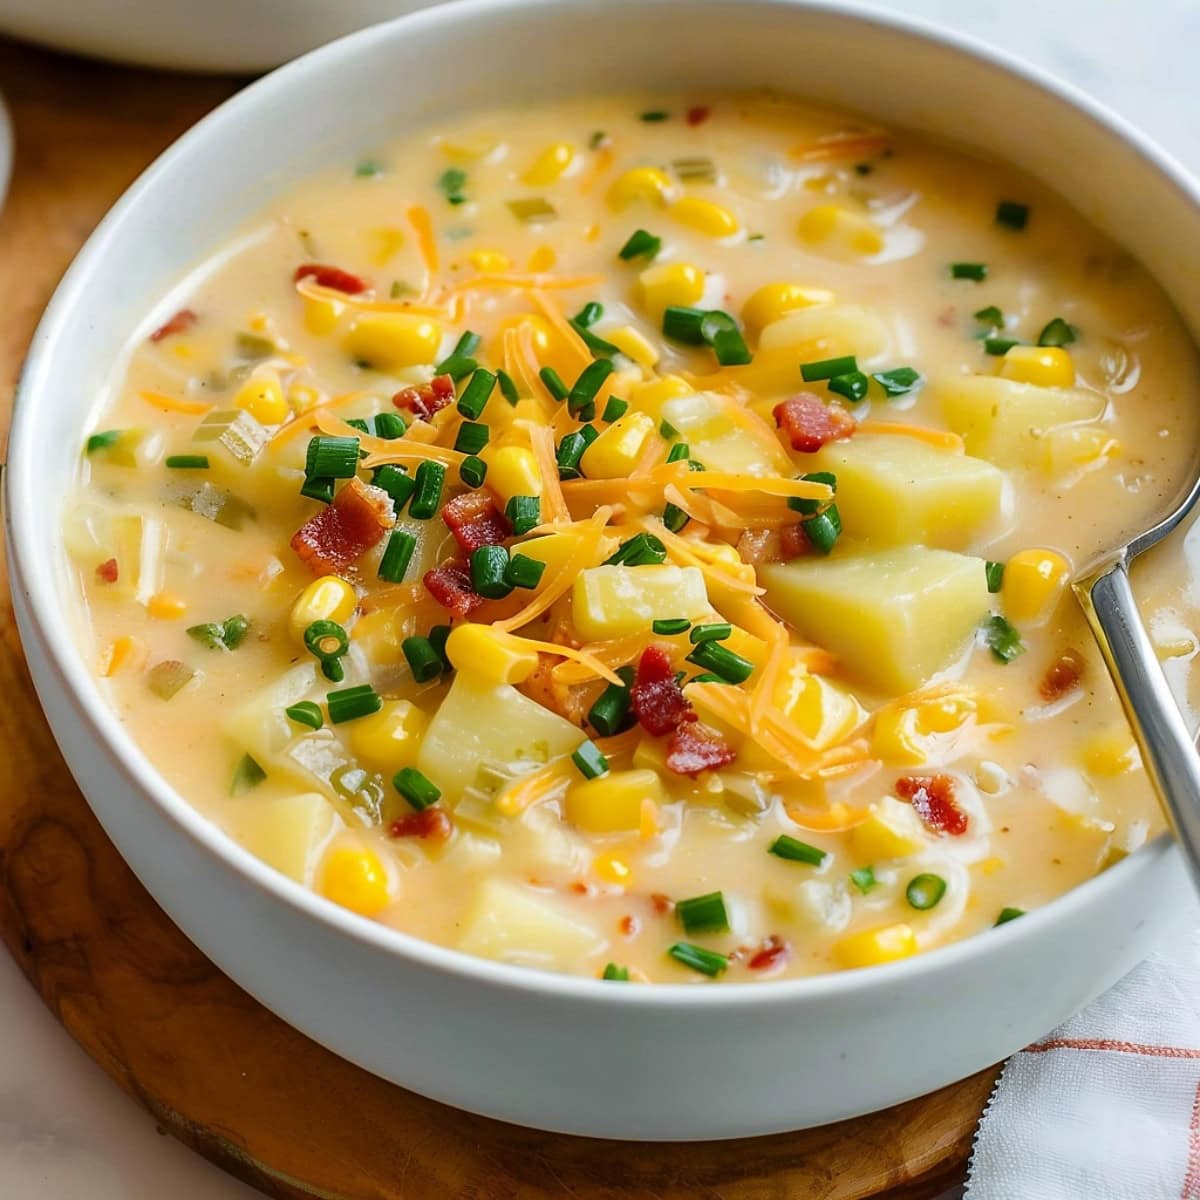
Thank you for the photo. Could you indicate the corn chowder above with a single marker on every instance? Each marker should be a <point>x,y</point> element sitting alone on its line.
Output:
<point>631,539</point>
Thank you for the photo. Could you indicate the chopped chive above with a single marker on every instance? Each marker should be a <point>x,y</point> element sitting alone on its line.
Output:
<point>615,974</point>
<point>589,314</point>
<point>488,567</point>
<point>638,551</point>
<point>234,630</point>
<point>925,891</point>
<point>968,270</point>
<point>990,315</point>
<point>640,245</point>
<point>523,571</point>
<point>609,713</point>
<point>674,518</point>
<point>703,914</point>
<point>305,713</point>
<point>670,625</point>
<point>246,775</point>
<point>393,566</point>
<point>995,575</point>
<point>717,631</point>
<point>614,410</point>
<point>472,437</point>
<point>420,792</point>
<point>570,451</point>
<point>828,368</point>
<point>554,384</point>
<point>327,642</point>
<point>187,462</point>
<point>588,433</point>
<point>707,962</point>
<point>318,489</point>
<point>597,345</point>
<point>590,760</point>
<point>351,703</point>
<point>824,529</point>
<point>1012,215</point>
<point>331,457</point>
<point>438,636</point>
<point>221,635</point>
<point>721,332</point>
<point>472,471</point>
<point>795,850</point>
<point>532,210</point>
<point>427,495</point>
<point>864,879</point>
<point>476,394</point>
<point>1009,914</point>
<point>667,430</point>
<point>457,366</point>
<point>853,386</point>
<point>708,677</point>
<point>683,324</point>
<point>451,183</point>
<point>508,389</point>
<point>103,440</point>
<point>1057,333</point>
<point>802,504</point>
<point>254,345</point>
<point>591,380</point>
<point>899,381</point>
<point>1002,639</point>
<point>368,169</point>
<point>396,482</point>
<point>654,116</point>
<point>423,659</point>
<point>524,513</point>
<point>680,450</point>
<point>388,425</point>
<point>699,168</point>
<point>720,660</point>
<point>998,346</point>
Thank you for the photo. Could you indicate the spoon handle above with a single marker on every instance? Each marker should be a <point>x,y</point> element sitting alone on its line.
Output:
<point>1167,747</point>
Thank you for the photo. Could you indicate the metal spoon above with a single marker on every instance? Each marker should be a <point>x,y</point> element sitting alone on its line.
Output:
<point>1104,591</point>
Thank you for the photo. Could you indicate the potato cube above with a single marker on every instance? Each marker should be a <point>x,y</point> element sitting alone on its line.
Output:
<point>892,617</point>
<point>719,443</point>
<point>613,802</point>
<point>287,832</point>
<point>615,601</point>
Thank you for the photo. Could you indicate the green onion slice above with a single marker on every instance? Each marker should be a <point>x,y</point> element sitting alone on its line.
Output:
<point>472,471</point>
<point>1057,333</point>
<point>523,571</point>
<point>828,368</point>
<point>610,712</point>
<point>615,974</point>
<point>524,513</point>
<point>331,457</point>
<point>420,792</point>
<point>925,891</point>
<point>398,484</point>
<point>472,436</point>
<point>969,270</point>
<point>1002,639</point>
<point>899,381</point>
<point>703,914</point>
<point>393,566</point>
<point>305,713</point>
<point>802,504</point>
<point>641,244</point>
<point>187,462</point>
<point>1009,914</point>
<point>489,568</point>
<point>476,394</point>
<point>246,775</point>
<point>351,703</point>
<point>1012,215</point>
<point>327,641</point>
<point>824,529</point>
<point>554,384</point>
<point>852,386</point>
<point>864,879</point>
<point>720,660</point>
<point>640,550</point>
<point>427,496</point>
<point>795,850</point>
<point>590,760</point>
<point>995,575</point>
<point>670,625</point>
<point>508,389</point>
<point>707,962</point>
<point>422,657</point>
<point>716,631</point>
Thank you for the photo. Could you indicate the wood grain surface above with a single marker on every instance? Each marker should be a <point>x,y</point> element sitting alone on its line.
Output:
<point>214,1068</point>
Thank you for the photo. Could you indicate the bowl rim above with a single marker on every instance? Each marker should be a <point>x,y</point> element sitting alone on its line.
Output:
<point>61,655</point>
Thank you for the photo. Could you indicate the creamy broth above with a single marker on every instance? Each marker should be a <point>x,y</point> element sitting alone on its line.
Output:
<point>906,734</point>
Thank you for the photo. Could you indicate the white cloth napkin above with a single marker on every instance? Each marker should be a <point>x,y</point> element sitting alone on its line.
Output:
<point>1107,1107</point>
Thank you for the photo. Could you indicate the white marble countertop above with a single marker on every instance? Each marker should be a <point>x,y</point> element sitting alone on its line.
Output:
<point>66,1131</point>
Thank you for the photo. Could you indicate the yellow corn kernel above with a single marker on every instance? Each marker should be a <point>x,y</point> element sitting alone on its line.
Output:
<point>355,879</point>
<point>262,397</point>
<point>183,349</point>
<point>468,149</point>
<point>543,258</point>
<point>484,651</point>
<point>834,229</point>
<point>647,184</point>
<point>390,738</point>
<point>874,946</point>
<point>654,393</point>
<point>387,245</point>
<point>611,869</point>
<point>1033,584</point>
<point>773,301</point>
<point>302,398</point>
<point>326,599</point>
<point>706,217</point>
<point>891,830</point>
<point>166,606</point>
<point>490,262</point>
<point>126,651</point>
<point>321,315</point>
<point>1110,751</point>
<point>553,549</point>
<point>549,165</point>
<point>616,451</point>
<point>539,330</point>
<point>633,345</point>
<point>513,471</point>
<point>258,322</point>
<point>1075,448</point>
<point>613,802</point>
<point>990,865</point>
<point>1045,366</point>
<point>670,284</point>
<point>390,341</point>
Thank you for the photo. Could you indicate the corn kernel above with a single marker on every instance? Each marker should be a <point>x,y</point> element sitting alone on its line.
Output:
<point>616,451</point>
<point>647,184</point>
<point>355,879</point>
<point>543,258</point>
<point>617,601</point>
<point>611,869</point>
<point>539,329</point>
<point>704,216</point>
<point>302,398</point>
<point>553,549</point>
<point>126,651</point>
<point>1033,585</point>
<point>497,657</point>
<point>653,394</point>
<point>183,349</point>
<point>513,471</point>
<point>390,738</point>
<point>773,301</point>
<point>262,397</point>
<point>1045,366</point>
<point>387,245</point>
<point>874,946</point>
<point>166,606</point>
<point>490,262</point>
<point>321,315</point>
<point>468,149</point>
<point>550,164</point>
<point>633,345</point>
<point>670,284</point>
<point>892,830</point>
<point>1110,751</point>
<point>840,232</point>
<point>390,341</point>
<point>326,599</point>
<point>990,865</point>
<point>613,802</point>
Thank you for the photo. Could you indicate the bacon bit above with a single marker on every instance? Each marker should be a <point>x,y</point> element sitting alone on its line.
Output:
<point>434,824</point>
<point>695,748</point>
<point>698,115</point>
<point>932,796</point>
<point>657,699</point>
<point>182,320</point>
<point>809,423</point>
<point>580,887</point>
<point>545,688</point>
<point>345,530</point>
<point>793,542</point>
<point>758,546</point>
<point>450,586</point>
<point>475,521</point>
<point>948,317</point>
<point>428,399</point>
<point>1063,676</point>
<point>331,277</point>
<point>106,572</point>
<point>661,903</point>
<point>773,952</point>
<point>629,925</point>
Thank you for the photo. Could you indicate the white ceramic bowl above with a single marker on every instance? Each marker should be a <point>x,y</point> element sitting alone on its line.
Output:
<point>570,1054</point>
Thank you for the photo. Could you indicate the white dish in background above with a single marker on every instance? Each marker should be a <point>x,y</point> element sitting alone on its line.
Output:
<point>675,1062</point>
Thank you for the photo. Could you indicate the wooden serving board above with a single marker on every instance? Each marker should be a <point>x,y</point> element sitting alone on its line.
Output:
<point>211,1065</point>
